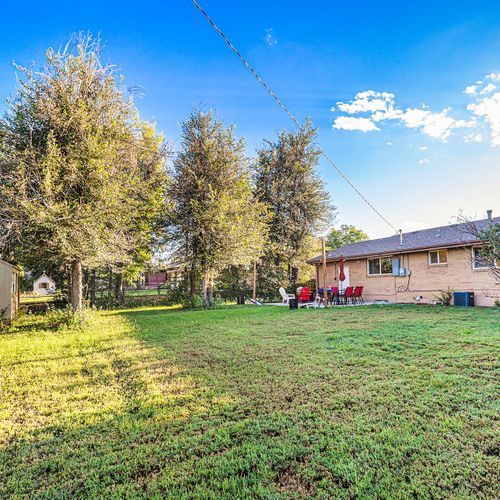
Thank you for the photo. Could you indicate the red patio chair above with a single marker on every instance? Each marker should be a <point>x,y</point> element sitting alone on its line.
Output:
<point>305,295</point>
<point>357,297</point>
<point>348,294</point>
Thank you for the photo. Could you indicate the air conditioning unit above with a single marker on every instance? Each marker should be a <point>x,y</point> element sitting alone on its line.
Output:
<point>463,299</point>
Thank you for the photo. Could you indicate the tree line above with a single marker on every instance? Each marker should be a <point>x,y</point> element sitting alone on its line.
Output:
<point>86,185</point>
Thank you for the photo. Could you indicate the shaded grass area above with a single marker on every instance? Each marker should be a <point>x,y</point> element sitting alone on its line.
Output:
<point>387,402</point>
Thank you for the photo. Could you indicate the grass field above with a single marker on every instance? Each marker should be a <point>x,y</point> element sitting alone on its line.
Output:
<point>36,299</point>
<point>388,402</point>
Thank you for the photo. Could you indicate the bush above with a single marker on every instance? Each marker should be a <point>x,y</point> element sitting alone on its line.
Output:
<point>444,297</point>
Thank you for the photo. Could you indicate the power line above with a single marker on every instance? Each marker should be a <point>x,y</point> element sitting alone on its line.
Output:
<point>288,112</point>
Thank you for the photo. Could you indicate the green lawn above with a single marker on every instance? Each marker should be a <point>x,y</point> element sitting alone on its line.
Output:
<point>389,402</point>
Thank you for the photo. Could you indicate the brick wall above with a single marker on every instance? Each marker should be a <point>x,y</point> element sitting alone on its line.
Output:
<point>425,280</point>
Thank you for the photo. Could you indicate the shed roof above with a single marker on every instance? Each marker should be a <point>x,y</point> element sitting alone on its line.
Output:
<point>44,276</point>
<point>436,237</point>
<point>9,264</point>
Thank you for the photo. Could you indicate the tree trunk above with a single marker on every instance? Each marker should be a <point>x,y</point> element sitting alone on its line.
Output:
<point>92,288</point>
<point>68,273</point>
<point>192,284</point>
<point>294,277</point>
<point>110,286</point>
<point>119,287</point>
<point>206,287</point>
<point>76,287</point>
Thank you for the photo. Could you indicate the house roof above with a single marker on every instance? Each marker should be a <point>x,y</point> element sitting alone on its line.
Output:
<point>436,237</point>
<point>43,275</point>
<point>9,264</point>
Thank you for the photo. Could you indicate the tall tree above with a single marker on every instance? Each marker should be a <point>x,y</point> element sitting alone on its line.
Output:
<point>487,233</point>
<point>81,174</point>
<point>286,181</point>
<point>344,235</point>
<point>215,221</point>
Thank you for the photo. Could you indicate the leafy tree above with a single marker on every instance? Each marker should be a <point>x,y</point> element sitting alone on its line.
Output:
<point>287,182</point>
<point>344,235</point>
<point>488,235</point>
<point>81,174</point>
<point>215,221</point>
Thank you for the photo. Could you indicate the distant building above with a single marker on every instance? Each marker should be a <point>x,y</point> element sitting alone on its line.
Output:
<point>9,291</point>
<point>171,274</point>
<point>44,285</point>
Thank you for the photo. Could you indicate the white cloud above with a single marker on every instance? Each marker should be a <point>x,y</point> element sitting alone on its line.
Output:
<point>367,101</point>
<point>424,161</point>
<point>488,108</point>
<point>471,90</point>
<point>370,108</point>
<point>473,138</point>
<point>423,148</point>
<point>352,123</point>
<point>488,88</point>
<point>389,143</point>
<point>270,38</point>
<point>437,125</point>
<point>380,106</point>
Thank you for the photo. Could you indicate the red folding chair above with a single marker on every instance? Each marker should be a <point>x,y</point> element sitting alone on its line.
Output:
<point>348,294</point>
<point>357,297</point>
<point>305,295</point>
<point>335,295</point>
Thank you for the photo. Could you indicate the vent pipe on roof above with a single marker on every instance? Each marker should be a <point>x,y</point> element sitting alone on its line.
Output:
<point>489,213</point>
<point>400,237</point>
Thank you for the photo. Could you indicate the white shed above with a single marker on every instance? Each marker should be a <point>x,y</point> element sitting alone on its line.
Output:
<point>44,285</point>
<point>9,291</point>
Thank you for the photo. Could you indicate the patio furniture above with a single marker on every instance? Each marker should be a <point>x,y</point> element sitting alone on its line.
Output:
<point>348,295</point>
<point>304,295</point>
<point>286,296</point>
<point>357,297</point>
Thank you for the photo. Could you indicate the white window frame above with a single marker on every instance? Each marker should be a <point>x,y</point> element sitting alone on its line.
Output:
<point>380,265</point>
<point>476,268</point>
<point>438,263</point>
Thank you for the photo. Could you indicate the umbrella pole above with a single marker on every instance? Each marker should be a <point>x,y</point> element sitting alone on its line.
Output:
<point>325,292</point>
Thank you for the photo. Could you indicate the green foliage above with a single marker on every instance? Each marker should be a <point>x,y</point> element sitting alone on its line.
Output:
<point>344,235</point>
<point>81,174</point>
<point>249,402</point>
<point>444,297</point>
<point>287,182</point>
<point>215,222</point>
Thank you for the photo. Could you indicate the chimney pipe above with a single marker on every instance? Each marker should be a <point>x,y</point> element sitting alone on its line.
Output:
<point>489,213</point>
<point>400,237</point>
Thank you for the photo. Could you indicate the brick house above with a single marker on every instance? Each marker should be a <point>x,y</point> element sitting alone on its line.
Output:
<point>415,267</point>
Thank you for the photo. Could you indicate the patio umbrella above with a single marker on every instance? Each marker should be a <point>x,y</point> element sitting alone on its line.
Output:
<point>341,271</point>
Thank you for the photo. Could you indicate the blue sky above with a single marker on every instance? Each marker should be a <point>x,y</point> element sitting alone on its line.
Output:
<point>417,143</point>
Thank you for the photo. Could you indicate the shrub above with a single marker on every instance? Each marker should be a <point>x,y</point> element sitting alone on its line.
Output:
<point>444,297</point>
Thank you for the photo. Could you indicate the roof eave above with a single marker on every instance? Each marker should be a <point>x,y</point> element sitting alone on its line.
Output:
<point>315,260</point>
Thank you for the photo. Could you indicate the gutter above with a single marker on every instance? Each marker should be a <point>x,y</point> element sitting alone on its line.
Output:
<point>319,260</point>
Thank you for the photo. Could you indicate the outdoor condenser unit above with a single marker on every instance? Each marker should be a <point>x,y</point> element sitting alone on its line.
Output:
<point>464,299</point>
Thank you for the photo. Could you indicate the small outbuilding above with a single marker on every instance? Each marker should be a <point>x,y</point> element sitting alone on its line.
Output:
<point>44,285</point>
<point>9,291</point>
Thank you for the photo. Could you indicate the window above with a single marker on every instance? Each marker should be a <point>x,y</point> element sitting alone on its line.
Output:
<point>438,257</point>
<point>43,285</point>
<point>380,265</point>
<point>481,259</point>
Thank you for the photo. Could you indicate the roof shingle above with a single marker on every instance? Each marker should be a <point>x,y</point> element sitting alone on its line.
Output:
<point>444,236</point>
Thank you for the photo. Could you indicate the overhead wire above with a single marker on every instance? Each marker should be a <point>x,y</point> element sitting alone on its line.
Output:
<point>289,113</point>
